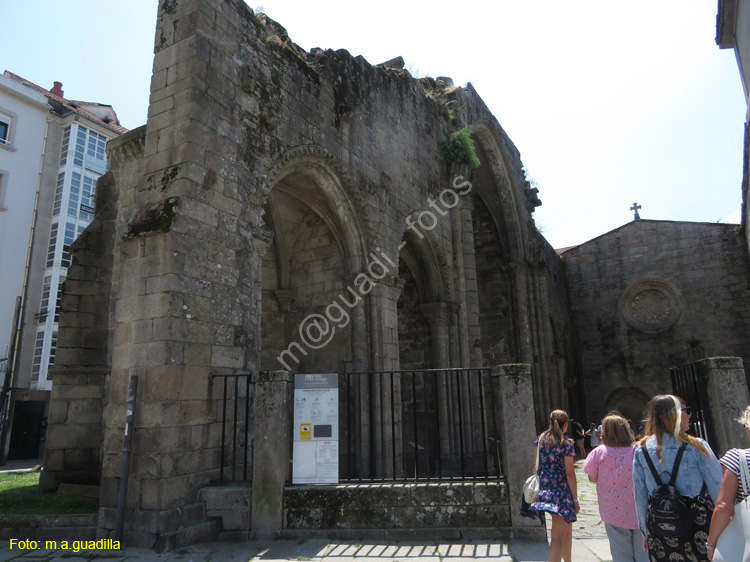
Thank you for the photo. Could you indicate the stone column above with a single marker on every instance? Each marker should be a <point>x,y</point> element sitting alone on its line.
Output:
<point>520,275</point>
<point>470,281</point>
<point>460,288</point>
<point>271,450</point>
<point>512,388</point>
<point>437,314</point>
<point>727,399</point>
<point>359,384</point>
<point>386,393</point>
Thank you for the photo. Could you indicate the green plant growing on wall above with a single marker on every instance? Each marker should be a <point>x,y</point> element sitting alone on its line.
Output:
<point>459,148</point>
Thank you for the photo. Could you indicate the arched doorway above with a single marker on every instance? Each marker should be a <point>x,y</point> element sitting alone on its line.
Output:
<point>630,402</point>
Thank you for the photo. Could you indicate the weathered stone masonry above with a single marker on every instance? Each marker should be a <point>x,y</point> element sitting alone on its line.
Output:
<point>261,187</point>
<point>653,295</point>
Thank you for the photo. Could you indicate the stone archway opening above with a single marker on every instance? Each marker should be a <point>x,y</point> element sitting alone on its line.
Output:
<point>495,290</point>
<point>629,402</point>
<point>304,272</point>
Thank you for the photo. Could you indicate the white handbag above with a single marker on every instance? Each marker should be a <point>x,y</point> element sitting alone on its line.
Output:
<point>531,486</point>
<point>732,545</point>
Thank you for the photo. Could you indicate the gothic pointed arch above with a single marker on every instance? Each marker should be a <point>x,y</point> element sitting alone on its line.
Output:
<point>318,242</point>
<point>421,253</point>
<point>629,401</point>
<point>313,175</point>
<point>499,182</point>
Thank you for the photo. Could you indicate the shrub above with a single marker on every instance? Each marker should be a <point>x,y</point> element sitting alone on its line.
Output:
<point>459,148</point>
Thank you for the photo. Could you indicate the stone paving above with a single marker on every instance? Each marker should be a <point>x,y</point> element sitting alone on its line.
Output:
<point>590,544</point>
<point>588,531</point>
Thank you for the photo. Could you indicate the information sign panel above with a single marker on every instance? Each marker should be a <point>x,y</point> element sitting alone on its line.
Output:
<point>315,454</point>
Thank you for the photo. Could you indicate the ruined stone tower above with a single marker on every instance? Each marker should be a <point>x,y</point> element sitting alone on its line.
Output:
<point>265,185</point>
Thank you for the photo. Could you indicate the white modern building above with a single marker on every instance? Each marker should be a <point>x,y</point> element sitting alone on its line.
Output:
<point>52,152</point>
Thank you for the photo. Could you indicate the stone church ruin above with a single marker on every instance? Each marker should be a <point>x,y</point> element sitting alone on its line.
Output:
<point>287,212</point>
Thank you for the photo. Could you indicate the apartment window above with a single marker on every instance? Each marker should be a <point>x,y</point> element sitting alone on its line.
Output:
<point>75,192</point>
<point>80,147</point>
<point>96,146</point>
<point>52,349</point>
<point>88,192</point>
<point>4,129</point>
<point>96,158</point>
<point>45,299</point>
<point>51,246</point>
<point>37,363</point>
<point>70,235</point>
<point>58,194</point>
<point>58,301</point>
<point>65,144</point>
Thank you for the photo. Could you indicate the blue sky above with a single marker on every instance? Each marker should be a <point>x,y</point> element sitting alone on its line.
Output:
<point>608,102</point>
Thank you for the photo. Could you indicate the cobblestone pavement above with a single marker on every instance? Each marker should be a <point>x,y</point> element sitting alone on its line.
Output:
<point>588,531</point>
<point>590,544</point>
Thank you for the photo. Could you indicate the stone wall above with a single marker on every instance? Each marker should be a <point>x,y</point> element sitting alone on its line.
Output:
<point>653,295</point>
<point>478,510</point>
<point>79,394</point>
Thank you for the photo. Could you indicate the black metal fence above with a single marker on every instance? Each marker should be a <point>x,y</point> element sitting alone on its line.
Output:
<point>235,409</point>
<point>418,425</point>
<point>406,425</point>
<point>689,383</point>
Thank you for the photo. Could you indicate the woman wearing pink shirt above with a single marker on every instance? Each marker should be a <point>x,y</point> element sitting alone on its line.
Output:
<point>610,465</point>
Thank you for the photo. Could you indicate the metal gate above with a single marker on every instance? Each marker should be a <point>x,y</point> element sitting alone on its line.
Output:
<point>689,383</point>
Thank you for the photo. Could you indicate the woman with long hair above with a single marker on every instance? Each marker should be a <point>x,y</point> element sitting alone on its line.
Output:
<point>699,471</point>
<point>730,492</point>
<point>610,465</point>
<point>558,489</point>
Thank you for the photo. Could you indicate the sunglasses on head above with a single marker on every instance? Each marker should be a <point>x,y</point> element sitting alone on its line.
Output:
<point>688,410</point>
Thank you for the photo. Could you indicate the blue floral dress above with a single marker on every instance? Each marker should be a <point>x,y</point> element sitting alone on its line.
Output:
<point>554,492</point>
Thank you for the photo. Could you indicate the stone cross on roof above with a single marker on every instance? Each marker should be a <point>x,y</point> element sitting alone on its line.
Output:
<point>635,208</point>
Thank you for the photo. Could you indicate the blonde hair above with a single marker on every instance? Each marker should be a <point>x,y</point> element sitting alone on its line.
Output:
<point>555,434</point>
<point>616,431</point>
<point>664,416</point>
<point>744,418</point>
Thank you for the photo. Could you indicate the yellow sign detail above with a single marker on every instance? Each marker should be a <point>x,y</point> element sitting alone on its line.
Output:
<point>305,432</point>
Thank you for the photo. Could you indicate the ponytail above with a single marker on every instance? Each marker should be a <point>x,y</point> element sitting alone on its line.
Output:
<point>555,434</point>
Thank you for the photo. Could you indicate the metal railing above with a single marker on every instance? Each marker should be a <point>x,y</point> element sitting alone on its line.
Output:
<point>418,425</point>
<point>236,409</point>
<point>405,425</point>
<point>689,383</point>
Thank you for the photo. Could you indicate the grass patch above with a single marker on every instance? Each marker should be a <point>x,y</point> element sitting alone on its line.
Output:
<point>19,495</point>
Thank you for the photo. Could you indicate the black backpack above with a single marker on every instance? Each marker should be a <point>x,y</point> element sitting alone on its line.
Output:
<point>670,514</point>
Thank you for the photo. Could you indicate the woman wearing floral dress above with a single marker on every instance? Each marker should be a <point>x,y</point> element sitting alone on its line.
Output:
<point>558,489</point>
